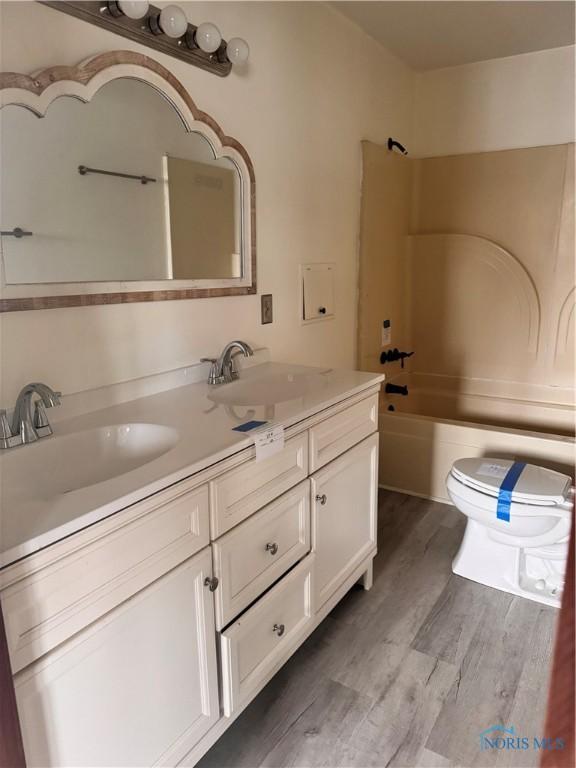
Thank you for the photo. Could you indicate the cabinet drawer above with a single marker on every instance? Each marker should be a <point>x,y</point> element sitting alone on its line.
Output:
<point>256,645</point>
<point>235,495</point>
<point>252,556</point>
<point>47,607</point>
<point>332,437</point>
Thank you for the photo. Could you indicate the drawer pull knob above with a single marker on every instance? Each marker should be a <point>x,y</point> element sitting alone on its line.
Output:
<point>321,498</point>
<point>211,582</point>
<point>279,629</point>
<point>272,548</point>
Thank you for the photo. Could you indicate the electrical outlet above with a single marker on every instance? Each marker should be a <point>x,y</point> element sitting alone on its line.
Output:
<point>266,306</point>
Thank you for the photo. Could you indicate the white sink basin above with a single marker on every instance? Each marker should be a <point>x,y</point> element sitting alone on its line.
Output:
<point>264,390</point>
<point>61,464</point>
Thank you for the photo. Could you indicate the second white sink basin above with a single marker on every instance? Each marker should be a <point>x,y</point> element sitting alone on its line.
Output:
<point>264,390</point>
<point>66,463</point>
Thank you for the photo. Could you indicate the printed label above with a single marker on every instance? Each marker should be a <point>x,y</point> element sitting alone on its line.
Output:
<point>268,442</point>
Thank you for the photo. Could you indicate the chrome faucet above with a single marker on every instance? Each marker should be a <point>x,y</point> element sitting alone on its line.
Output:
<point>27,427</point>
<point>222,369</point>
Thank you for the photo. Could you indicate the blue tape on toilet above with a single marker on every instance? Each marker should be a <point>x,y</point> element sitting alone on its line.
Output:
<point>505,493</point>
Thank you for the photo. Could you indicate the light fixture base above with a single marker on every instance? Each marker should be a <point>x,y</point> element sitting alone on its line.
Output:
<point>141,31</point>
<point>114,9</point>
<point>190,38</point>
<point>153,24</point>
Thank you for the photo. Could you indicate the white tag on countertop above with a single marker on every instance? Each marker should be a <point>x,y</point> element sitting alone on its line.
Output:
<point>268,442</point>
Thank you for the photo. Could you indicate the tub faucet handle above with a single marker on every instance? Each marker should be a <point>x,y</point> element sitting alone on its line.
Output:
<point>392,355</point>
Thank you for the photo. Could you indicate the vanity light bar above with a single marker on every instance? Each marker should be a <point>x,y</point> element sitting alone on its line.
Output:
<point>165,29</point>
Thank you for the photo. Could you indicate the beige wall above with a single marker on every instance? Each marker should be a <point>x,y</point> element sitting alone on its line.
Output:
<point>518,101</point>
<point>315,87</point>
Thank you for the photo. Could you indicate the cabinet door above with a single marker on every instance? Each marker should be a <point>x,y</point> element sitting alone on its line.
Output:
<point>138,688</point>
<point>344,506</point>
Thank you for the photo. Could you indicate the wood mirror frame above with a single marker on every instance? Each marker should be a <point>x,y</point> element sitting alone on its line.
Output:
<point>38,91</point>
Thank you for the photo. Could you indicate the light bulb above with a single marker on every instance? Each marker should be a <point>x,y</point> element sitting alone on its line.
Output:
<point>237,51</point>
<point>134,9</point>
<point>173,21</point>
<point>208,37</point>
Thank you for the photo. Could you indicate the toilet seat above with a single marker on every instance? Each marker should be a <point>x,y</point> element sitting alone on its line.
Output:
<point>488,503</point>
<point>536,486</point>
<point>530,525</point>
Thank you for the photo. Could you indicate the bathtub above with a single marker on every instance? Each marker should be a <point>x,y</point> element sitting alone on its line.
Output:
<point>423,433</point>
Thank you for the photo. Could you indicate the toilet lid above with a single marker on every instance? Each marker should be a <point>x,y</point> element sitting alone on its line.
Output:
<point>535,485</point>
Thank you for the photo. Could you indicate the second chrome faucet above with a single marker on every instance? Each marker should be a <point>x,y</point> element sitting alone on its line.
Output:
<point>27,427</point>
<point>223,369</point>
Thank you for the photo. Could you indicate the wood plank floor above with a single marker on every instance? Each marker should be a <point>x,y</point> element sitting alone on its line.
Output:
<point>409,673</point>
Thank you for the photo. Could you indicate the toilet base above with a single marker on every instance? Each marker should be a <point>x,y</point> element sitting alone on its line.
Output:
<point>531,573</point>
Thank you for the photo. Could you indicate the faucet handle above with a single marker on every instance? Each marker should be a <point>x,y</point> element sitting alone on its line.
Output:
<point>214,377</point>
<point>7,439</point>
<point>40,421</point>
<point>26,432</point>
<point>5,430</point>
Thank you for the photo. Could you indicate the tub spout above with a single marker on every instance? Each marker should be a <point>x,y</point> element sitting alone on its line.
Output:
<point>396,389</point>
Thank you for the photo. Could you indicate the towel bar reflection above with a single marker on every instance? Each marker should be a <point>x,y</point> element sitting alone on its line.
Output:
<point>16,232</point>
<point>83,170</point>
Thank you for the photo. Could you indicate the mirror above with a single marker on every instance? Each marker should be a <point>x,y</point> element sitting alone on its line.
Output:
<point>123,185</point>
<point>183,223</point>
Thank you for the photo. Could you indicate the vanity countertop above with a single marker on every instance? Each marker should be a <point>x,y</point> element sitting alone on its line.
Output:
<point>192,424</point>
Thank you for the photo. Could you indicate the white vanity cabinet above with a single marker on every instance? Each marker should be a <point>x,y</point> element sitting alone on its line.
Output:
<point>139,687</point>
<point>138,640</point>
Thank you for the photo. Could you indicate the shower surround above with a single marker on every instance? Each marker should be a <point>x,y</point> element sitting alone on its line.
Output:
<point>471,257</point>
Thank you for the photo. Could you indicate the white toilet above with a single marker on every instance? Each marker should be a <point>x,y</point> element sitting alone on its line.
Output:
<point>518,526</point>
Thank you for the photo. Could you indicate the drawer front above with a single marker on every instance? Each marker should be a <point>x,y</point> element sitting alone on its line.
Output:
<point>239,493</point>
<point>251,557</point>
<point>46,608</point>
<point>337,434</point>
<point>256,645</point>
